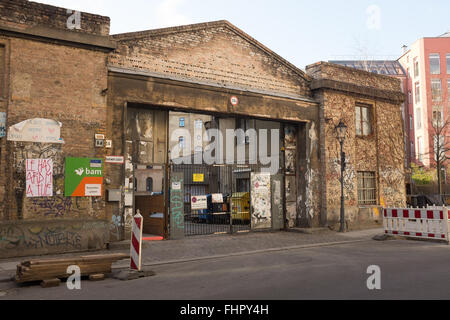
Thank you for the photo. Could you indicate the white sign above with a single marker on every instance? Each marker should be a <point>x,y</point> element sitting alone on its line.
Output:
<point>176,185</point>
<point>93,190</point>
<point>234,101</point>
<point>128,199</point>
<point>39,177</point>
<point>115,159</point>
<point>199,203</point>
<point>217,198</point>
<point>36,130</point>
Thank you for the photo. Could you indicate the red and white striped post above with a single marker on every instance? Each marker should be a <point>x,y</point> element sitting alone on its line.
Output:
<point>136,242</point>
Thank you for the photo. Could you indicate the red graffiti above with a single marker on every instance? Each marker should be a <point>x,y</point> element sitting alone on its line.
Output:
<point>39,176</point>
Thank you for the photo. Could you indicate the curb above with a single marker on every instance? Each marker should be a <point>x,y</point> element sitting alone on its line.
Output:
<point>245,253</point>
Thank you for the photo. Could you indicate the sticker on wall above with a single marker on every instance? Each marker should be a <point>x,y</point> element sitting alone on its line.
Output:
<point>36,130</point>
<point>2,124</point>
<point>199,177</point>
<point>115,159</point>
<point>217,198</point>
<point>84,177</point>
<point>39,177</point>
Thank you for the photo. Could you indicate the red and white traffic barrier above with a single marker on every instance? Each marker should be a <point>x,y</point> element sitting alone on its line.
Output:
<point>418,223</point>
<point>136,242</point>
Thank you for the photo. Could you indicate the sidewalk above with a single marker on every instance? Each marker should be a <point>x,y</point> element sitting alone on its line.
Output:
<point>214,247</point>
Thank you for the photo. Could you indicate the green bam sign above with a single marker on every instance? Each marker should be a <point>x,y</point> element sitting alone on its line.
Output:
<point>84,177</point>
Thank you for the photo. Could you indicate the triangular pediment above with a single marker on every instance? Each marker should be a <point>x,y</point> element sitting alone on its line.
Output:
<point>215,52</point>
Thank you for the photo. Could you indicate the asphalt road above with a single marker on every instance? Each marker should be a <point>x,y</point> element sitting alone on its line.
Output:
<point>409,270</point>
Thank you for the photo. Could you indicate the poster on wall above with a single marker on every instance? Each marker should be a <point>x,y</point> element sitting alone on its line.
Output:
<point>2,124</point>
<point>39,177</point>
<point>261,201</point>
<point>84,177</point>
<point>199,202</point>
<point>36,130</point>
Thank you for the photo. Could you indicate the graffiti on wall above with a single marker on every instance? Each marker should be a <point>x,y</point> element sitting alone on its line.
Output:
<point>310,178</point>
<point>57,206</point>
<point>13,237</point>
<point>261,201</point>
<point>39,178</point>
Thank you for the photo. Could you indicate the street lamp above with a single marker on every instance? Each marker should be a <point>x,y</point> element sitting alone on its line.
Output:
<point>341,130</point>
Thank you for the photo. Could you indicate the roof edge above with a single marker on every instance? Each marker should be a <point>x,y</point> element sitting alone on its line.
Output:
<point>205,25</point>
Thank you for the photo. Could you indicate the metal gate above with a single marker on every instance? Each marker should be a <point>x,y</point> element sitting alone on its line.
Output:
<point>227,205</point>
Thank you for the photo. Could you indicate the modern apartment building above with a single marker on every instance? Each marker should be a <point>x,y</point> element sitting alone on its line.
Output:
<point>427,64</point>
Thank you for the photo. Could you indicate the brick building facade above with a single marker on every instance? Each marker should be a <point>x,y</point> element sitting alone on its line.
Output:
<point>127,87</point>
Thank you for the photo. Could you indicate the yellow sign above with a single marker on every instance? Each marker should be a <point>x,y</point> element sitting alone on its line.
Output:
<point>199,177</point>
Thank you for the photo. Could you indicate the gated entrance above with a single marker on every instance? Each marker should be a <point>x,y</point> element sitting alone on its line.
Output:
<point>217,198</point>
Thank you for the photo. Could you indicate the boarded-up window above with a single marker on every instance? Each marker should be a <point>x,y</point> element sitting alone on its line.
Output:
<point>2,71</point>
<point>367,188</point>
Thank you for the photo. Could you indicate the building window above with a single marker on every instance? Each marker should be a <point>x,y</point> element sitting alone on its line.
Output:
<point>448,89</point>
<point>363,120</point>
<point>448,63</point>
<point>420,148</point>
<point>367,189</point>
<point>416,68</point>
<point>181,142</point>
<point>182,124</point>
<point>149,184</point>
<point>409,97</point>
<point>417,92</point>
<point>412,150</point>
<point>435,63</point>
<point>437,119</point>
<point>436,89</point>
<point>198,124</point>
<point>418,119</point>
<point>411,123</point>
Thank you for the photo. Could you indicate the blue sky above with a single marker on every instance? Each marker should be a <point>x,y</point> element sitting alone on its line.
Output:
<point>301,31</point>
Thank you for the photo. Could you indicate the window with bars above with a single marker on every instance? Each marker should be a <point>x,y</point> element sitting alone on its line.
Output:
<point>363,120</point>
<point>367,188</point>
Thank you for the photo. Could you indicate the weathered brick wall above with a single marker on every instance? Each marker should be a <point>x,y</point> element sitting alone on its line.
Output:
<point>381,152</point>
<point>23,14</point>
<point>65,84</point>
<point>44,85</point>
<point>214,54</point>
<point>324,70</point>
